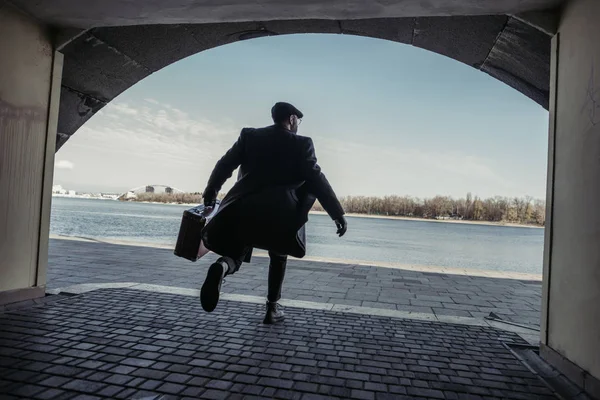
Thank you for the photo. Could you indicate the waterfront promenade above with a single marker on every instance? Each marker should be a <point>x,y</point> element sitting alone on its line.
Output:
<point>125,322</point>
<point>429,290</point>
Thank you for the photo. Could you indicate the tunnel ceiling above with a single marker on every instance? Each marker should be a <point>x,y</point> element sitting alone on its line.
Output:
<point>87,14</point>
<point>511,42</point>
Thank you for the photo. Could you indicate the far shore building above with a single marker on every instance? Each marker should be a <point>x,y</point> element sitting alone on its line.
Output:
<point>58,189</point>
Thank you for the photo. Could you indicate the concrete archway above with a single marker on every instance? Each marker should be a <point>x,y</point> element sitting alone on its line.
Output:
<point>108,45</point>
<point>101,63</point>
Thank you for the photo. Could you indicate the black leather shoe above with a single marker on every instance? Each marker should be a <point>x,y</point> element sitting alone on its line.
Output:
<point>274,313</point>
<point>209,294</point>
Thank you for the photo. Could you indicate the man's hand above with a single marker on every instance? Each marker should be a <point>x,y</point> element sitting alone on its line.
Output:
<point>342,226</point>
<point>209,201</point>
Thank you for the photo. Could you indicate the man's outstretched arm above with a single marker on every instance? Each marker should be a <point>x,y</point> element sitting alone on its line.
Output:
<point>320,187</point>
<point>223,170</point>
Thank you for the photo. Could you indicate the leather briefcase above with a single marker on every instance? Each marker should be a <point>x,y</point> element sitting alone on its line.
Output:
<point>189,241</point>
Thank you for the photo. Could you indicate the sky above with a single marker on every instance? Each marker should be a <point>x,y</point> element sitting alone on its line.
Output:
<point>386,118</point>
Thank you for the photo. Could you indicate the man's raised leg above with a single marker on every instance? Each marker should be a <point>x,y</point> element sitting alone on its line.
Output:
<point>211,289</point>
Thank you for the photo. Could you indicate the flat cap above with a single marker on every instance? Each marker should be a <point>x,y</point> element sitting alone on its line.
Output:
<point>282,111</point>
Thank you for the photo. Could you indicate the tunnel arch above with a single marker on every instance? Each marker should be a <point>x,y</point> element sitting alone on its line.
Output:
<point>101,63</point>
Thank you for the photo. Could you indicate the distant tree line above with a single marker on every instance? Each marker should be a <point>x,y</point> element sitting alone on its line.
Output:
<point>178,198</point>
<point>519,210</point>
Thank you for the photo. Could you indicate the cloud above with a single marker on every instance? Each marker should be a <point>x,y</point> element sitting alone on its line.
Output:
<point>122,108</point>
<point>64,164</point>
<point>159,127</point>
<point>133,144</point>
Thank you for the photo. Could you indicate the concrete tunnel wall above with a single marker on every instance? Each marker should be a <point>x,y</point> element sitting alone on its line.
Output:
<point>27,64</point>
<point>573,261</point>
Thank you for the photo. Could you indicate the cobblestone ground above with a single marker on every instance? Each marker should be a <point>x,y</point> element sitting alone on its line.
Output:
<point>73,262</point>
<point>128,344</point>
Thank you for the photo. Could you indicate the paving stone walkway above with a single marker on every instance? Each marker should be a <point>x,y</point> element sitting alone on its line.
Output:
<point>75,262</point>
<point>130,344</point>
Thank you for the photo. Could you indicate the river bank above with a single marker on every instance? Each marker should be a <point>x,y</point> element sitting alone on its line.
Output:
<point>447,221</point>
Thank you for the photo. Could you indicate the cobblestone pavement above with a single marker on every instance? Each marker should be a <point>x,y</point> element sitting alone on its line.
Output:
<point>75,262</point>
<point>129,344</point>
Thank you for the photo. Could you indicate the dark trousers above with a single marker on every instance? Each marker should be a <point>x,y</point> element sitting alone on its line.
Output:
<point>277,266</point>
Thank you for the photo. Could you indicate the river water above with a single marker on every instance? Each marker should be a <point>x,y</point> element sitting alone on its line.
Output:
<point>494,248</point>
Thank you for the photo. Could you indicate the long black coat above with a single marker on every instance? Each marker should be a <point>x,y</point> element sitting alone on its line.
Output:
<point>268,206</point>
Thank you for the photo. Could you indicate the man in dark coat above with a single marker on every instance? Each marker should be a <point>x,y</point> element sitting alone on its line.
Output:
<point>278,182</point>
